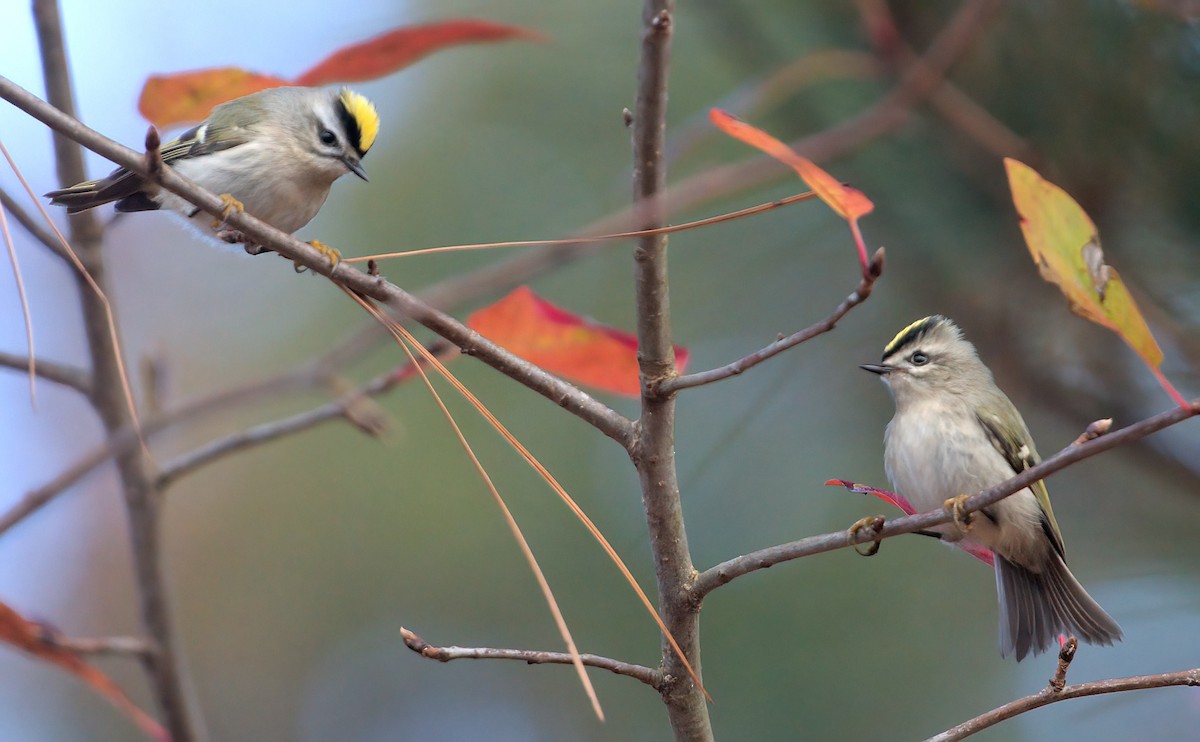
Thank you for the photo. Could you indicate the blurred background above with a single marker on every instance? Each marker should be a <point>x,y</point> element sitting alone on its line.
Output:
<point>294,565</point>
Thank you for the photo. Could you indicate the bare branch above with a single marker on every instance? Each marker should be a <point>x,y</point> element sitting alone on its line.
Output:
<point>31,225</point>
<point>1048,696</point>
<point>1065,655</point>
<point>59,373</point>
<point>267,432</point>
<point>108,391</point>
<point>111,645</point>
<point>653,451</point>
<point>858,296</point>
<point>647,675</point>
<point>126,439</point>
<point>724,572</point>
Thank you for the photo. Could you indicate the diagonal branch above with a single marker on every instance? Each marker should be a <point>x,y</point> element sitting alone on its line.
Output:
<point>647,675</point>
<point>875,269</point>
<point>1048,695</point>
<point>242,440</point>
<point>713,577</point>
<point>566,395</point>
<point>59,373</point>
<point>31,225</point>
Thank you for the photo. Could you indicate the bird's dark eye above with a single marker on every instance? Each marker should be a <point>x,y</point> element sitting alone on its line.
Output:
<point>918,359</point>
<point>328,137</point>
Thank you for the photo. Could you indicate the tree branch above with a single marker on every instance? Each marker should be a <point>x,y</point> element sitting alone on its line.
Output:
<point>31,225</point>
<point>141,498</point>
<point>566,395</point>
<point>111,645</point>
<point>653,451</point>
<point>265,433</point>
<point>858,296</point>
<point>59,373</point>
<point>647,675</point>
<point>727,571</point>
<point>1048,695</point>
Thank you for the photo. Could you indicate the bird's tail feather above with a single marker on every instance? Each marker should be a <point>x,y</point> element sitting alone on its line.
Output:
<point>121,184</point>
<point>1035,607</point>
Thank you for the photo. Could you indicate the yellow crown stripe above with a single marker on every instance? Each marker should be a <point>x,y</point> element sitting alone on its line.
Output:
<point>364,114</point>
<point>908,333</point>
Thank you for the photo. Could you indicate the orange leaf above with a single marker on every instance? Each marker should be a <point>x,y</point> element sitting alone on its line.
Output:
<point>1066,248</point>
<point>848,203</point>
<point>564,343</point>
<point>188,97</point>
<point>400,47</point>
<point>31,637</point>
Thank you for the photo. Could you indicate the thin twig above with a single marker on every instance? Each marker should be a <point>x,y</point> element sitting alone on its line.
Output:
<point>724,572</point>
<point>647,675</point>
<point>110,645</point>
<point>1048,695</point>
<point>1065,655</point>
<point>244,440</point>
<point>858,296</point>
<point>126,439</point>
<point>31,225</point>
<point>59,373</point>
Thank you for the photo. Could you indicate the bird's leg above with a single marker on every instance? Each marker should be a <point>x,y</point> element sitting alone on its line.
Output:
<point>956,505</point>
<point>873,523</point>
<point>231,205</point>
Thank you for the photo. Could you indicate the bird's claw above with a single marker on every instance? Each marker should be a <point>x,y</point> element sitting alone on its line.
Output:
<point>331,253</point>
<point>873,523</point>
<point>957,507</point>
<point>231,205</point>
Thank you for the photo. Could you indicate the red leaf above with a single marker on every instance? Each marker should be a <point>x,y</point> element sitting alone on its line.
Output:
<point>400,47</point>
<point>565,343</point>
<point>188,97</point>
<point>848,203</point>
<point>31,637</point>
<point>981,553</point>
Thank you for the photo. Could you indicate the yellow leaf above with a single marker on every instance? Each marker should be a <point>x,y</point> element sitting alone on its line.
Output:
<point>1066,248</point>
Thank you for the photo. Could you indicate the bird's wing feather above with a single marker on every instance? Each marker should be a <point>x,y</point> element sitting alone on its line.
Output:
<point>1020,455</point>
<point>125,186</point>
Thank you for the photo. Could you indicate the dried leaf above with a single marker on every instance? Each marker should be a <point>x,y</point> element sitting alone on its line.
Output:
<point>400,47</point>
<point>849,203</point>
<point>188,97</point>
<point>32,637</point>
<point>564,343</point>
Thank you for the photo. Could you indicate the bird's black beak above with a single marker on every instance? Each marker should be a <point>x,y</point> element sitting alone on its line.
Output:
<point>877,368</point>
<point>355,167</point>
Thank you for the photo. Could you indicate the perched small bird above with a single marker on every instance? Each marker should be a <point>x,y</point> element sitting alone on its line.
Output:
<point>276,153</point>
<point>954,434</point>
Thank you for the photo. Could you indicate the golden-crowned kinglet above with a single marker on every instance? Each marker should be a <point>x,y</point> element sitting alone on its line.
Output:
<point>277,152</point>
<point>956,433</point>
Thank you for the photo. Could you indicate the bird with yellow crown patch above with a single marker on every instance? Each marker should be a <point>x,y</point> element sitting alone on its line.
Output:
<point>274,154</point>
<point>956,433</point>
